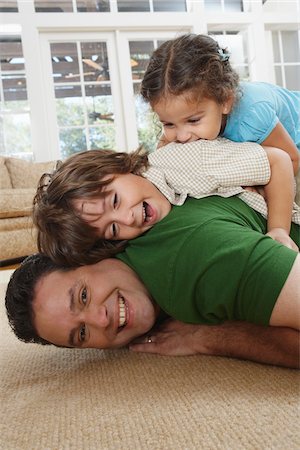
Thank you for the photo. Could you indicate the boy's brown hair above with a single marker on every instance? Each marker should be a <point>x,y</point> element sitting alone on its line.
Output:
<point>62,233</point>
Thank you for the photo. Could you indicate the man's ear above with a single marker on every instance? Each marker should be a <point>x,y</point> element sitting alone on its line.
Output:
<point>227,105</point>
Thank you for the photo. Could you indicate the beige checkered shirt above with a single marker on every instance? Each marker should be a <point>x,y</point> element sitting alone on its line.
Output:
<point>220,167</point>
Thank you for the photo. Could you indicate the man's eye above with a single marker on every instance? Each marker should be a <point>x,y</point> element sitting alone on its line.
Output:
<point>114,230</point>
<point>83,296</point>
<point>82,333</point>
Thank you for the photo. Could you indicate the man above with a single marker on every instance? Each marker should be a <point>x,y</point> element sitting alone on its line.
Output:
<point>106,306</point>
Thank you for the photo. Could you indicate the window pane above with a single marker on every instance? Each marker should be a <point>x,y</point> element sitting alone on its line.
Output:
<point>102,137</point>
<point>140,53</point>
<point>9,6</point>
<point>84,103</point>
<point>95,61</point>
<point>70,111</point>
<point>278,76</point>
<point>276,50</point>
<point>72,140</point>
<point>14,109</point>
<point>16,135</point>
<point>290,45</point>
<point>213,5</point>
<point>133,6</point>
<point>233,5</point>
<point>53,6</point>
<point>292,77</point>
<point>169,5</point>
<point>14,87</point>
<point>93,6</point>
<point>148,125</point>
<point>65,66</point>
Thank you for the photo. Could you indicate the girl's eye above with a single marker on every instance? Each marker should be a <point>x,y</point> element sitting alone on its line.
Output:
<point>83,296</point>
<point>82,333</point>
<point>194,120</point>
<point>167,125</point>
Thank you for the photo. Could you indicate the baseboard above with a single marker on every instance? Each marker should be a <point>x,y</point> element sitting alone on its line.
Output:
<point>12,261</point>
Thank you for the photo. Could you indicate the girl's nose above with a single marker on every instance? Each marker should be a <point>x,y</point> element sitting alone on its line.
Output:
<point>183,136</point>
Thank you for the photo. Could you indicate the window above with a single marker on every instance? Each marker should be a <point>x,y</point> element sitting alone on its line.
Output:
<point>14,108</point>
<point>286,50</point>
<point>9,6</point>
<point>83,96</point>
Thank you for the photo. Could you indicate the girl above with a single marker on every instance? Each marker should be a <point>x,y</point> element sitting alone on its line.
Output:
<point>196,94</point>
<point>96,200</point>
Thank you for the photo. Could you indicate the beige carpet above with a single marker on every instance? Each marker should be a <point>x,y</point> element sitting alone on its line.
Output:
<point>89,399</point>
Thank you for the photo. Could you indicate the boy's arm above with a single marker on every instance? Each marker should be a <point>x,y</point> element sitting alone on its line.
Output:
<point>280,138</point>
<point>279,193</point>
<point>242,340</point>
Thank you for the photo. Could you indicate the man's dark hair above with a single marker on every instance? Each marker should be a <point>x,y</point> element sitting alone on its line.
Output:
<point>20,294</point>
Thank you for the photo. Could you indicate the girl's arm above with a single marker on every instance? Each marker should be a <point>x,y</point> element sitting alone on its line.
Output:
<point>279,193</point>
<point>280,138</point>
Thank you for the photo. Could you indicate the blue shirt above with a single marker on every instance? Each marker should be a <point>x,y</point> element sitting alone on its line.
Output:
<point>260,108</point>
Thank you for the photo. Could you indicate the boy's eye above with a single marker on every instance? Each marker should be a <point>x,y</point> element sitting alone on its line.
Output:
<point>83,296</point>
<point>115,201</point>
<point>82,333</point>
<point>168,125</point>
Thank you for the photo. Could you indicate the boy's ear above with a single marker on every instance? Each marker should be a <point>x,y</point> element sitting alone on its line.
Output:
<point>227,105</point>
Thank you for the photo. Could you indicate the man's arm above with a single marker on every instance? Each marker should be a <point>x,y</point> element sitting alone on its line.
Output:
<point>268,345</point>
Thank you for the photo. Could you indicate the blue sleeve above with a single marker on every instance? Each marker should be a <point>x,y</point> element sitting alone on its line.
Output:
<point>258,123</point>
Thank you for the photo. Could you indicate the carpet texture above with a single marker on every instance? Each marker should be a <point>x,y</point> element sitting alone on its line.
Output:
<point>91,399</point>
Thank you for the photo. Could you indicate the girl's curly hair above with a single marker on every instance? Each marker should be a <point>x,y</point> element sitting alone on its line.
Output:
<point>191,64</point>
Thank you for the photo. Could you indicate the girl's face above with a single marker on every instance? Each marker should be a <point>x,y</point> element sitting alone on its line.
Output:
<point>130,206</point>
<point>185,121</point>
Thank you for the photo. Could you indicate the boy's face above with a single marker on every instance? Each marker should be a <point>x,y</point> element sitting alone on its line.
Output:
<point>104,305</point>
<point>186,121</point>
<point>130,206</point>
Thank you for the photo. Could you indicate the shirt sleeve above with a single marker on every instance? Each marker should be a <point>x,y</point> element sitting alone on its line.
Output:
<point>258,123</point>
<point>202,168</point>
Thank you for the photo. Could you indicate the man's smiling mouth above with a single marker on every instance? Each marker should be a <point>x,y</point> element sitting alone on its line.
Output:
<point>122,313</point>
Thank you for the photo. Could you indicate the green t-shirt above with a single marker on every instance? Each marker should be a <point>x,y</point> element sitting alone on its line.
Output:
<point>209,261</point>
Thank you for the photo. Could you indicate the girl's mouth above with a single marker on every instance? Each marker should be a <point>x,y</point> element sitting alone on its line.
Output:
<point>147,213</point>
<point>123,313</point>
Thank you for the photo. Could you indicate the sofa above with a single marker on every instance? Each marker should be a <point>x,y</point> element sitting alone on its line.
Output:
<point>18,182</point>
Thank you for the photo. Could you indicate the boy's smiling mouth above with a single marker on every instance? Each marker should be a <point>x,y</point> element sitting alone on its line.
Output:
<point>123,312</point>
<point>148,214</point>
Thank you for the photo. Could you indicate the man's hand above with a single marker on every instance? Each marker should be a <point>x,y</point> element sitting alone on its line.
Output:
<point>281,235</point>
<point>264,344</point>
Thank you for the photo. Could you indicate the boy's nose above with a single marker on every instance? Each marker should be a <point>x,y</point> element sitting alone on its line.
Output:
<point>126,217</point>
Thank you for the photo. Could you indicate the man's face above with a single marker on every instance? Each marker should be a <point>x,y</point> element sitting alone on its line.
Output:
<point>131,205</point>
<point>185,121</point>
<point>104,305</point>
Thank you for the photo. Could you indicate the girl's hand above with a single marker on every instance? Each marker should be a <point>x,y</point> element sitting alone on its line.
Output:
<point>172,338</point>
<point>281,235</point>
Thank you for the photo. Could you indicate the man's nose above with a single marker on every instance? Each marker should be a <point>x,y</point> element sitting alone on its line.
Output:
<point>183,135</point>
<point>96,316</point>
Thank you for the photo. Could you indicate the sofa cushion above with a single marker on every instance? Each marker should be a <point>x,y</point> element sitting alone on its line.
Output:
<point>5,182</point>
<point>16,202</point>
<point>26,174</point>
